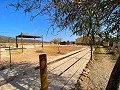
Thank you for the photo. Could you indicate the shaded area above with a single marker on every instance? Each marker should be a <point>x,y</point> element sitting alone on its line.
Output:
<point>113,83</point>
<point>25,82</point>
<point>32,80</point>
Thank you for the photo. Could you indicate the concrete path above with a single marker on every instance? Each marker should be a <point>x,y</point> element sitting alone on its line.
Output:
<point>62,74</point>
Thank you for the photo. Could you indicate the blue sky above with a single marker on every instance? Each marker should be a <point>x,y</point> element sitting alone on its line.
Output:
<point>13,23</point>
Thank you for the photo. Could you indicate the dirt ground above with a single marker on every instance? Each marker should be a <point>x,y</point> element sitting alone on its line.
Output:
<point>31,54</point>
<point>98,71</point>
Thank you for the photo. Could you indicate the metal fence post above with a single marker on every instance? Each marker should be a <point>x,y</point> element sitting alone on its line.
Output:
<point>43,71</point>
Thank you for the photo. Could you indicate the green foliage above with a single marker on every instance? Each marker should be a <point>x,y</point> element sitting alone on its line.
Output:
<point>113,40</point>
<point>63,43</point>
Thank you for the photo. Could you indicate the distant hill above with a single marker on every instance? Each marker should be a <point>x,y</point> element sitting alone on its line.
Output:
<point>6,39</point>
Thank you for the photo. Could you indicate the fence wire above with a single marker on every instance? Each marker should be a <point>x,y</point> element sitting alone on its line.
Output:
<point>12,53</point>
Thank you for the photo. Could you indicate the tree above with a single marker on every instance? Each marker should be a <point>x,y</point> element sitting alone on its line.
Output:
<point>57,40</point>
<point>84,17</point>
<point>63,43</point>
<point>68,42</point>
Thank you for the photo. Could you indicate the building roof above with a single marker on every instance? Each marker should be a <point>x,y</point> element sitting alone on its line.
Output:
<point>28,36</point>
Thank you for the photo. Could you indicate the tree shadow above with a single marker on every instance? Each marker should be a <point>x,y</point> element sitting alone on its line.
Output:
<point>105,53</point>
<point>32,80</point>
<point>25,82</point>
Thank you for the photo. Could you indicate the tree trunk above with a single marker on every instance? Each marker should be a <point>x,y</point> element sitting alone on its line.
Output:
<point>91,46</point>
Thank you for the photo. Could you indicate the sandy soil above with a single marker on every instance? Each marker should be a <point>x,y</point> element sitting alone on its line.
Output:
<point>99,71</point>
<point>32,54</point>
<point>62,75</point>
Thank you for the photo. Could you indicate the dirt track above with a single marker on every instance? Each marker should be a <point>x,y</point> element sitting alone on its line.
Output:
<point>31,54</point>
<point>62,74</point>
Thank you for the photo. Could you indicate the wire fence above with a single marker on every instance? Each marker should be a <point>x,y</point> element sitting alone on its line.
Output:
<point>32,75</point>
<point>10,55</point>
<point>5,57</point>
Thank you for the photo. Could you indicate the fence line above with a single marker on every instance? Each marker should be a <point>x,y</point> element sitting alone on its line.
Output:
<point>67,69</point>
<point>0,51</point>
<point>1,58</point>
<point>72,76</point>
<point>63,63</point>
<point>5,67</point>
<point>8,53</point>
<point>72,64</point>
<point>24,73</point>
<point>43,73</point>
<point>10,58</point>
<point>64,57</point>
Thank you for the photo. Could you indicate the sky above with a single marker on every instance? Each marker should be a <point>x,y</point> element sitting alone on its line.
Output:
<point>14,22</point>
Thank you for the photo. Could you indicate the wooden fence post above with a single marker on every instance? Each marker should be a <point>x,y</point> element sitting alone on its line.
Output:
<point>42,40</point>
<point>22,41</point>
<point>10,56</point>
<point>43,71</point>
<point>0,51</point>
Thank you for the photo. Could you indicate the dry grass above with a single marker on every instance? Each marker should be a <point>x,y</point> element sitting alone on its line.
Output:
<point>53,50</point>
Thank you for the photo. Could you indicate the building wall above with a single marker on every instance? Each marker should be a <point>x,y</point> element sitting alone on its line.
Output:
<point>80,41</point>
<point>86,40</point>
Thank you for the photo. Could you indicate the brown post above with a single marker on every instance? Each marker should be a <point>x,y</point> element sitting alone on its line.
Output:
<point>22,41</point>
<point>43,71</point>
<point>34,41</point>
<point>10,56</point>
<point>42,40</point>
<point>91,47</point>
<point>16,42</point>
<point>0,51</point>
